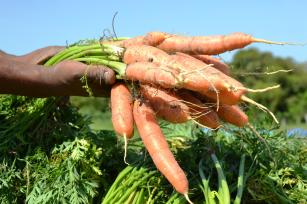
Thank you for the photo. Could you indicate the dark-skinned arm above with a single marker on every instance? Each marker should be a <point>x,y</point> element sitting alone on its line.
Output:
<point>23,76</point>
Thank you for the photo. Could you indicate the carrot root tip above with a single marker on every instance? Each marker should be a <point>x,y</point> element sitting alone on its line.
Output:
<point>262,90</point>
<point>262,107</point>
<point>259,40</point>
<point>125,149</point>
<point>187,198</point>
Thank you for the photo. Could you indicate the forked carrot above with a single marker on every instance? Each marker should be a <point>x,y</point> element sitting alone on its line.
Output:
<point>157,146</point>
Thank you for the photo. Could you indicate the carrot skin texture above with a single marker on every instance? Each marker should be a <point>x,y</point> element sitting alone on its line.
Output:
<point>211,80</point>
<point>122,110</point>
<point>208,82</point>
<point>131,42</point>
<point>218,64</point>
<point>155,38</point>
<point>166,104</point>
<point>145,53</point>
<point>151,73</point>
<point>168,77</point>
<point>233,114</point>
<point>206,45</point>
<point>209,118</point>
<point>157,146</point>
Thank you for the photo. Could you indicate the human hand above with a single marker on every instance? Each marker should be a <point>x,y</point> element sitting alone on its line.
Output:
<point>73,78</point>
<point>21,75</point>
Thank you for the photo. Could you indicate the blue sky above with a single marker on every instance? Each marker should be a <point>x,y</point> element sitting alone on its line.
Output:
<point>28,25</point>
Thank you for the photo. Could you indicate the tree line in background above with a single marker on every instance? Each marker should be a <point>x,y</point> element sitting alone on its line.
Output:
<point>256,69</point>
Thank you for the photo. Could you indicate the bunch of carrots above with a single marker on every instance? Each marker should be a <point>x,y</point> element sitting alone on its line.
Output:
<point>171,77</point>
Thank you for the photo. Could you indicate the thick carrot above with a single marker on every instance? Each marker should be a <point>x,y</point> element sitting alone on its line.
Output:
<point>168,77</point>
<point>215,83</point>
<point>218,64</point>
<point>208,45</point>
<point>156,145</point>
<point>121,107</point>
<point>204,115</point>
<point>166,104</point>
<point>232,114</point>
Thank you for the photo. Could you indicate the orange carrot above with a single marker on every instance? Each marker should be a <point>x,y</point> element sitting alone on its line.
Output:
<point>122,113</point>
<point>166,104</point>
<point>218,64</point>
<point>208,45</point>
<point>203,82</point>
<point>204,115</point>
<point>233,114</point>
<point>215,83</point>
<point>144,53</point>
<point>121,107</point>
<point>158,149</point>
<point>155,38</point>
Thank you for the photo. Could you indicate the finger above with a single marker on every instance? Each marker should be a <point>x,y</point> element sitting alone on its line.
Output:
<point>100,78</point>
<point>101,75</point>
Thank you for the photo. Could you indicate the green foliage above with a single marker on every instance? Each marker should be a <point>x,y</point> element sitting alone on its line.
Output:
<point>48,152</point>
<point>273,173</point>
<point>97,109</point>
<point>11,183</point>
<point>70,175</point>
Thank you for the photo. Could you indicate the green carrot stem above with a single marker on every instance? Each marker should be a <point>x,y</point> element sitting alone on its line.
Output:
<point>205,182</point>
<point>223,187</point>
<point>105,49</point>
<point>140,199</point>
<point>118,67</point>
<point>119,178</point>
<point>134,186</point>
<point>240,185</point>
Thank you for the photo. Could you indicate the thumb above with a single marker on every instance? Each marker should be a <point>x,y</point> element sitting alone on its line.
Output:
<point>100,75</point>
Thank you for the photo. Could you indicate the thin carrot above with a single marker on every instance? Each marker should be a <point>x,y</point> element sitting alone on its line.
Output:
<point>209,45</point>
<point>158,149</point>
<point>218,64</point>
<point>122,113</point>
<point>166,104</point>
<point>233,114</point>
